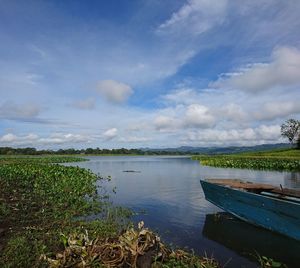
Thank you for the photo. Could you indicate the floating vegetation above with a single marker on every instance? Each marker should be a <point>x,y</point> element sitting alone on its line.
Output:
<point>250,162</point>
<point>41,201</point>
<point>134,248</point>
<point>40,160</point>
<point>48,191</point>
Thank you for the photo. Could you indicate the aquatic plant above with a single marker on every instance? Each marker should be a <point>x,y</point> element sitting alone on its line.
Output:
<point>138,247</point>
<point>40,199</point>
<point>50,190</point>
<point>44,208</point>
<point>266,262</point>
<point>40,159</point>
<point>250,162</point>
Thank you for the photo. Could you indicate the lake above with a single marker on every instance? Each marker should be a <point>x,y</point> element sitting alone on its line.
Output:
<point>166,192</point>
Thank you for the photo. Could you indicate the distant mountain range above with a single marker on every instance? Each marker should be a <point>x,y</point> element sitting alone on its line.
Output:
<point>221,150</point>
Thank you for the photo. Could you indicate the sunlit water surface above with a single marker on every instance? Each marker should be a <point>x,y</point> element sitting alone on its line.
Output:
<point>167,189</point>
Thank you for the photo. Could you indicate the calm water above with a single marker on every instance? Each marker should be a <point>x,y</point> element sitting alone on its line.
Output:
<point>168,190</point>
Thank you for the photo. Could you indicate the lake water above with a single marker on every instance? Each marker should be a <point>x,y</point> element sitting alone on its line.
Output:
<point>168,191</point>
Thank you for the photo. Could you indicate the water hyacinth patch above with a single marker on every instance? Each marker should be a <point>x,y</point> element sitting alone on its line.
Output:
<point>39,159</point>
<point>248,161</point>
<point>40,199</point>
<point>53,190</point>
<point>54,215</point>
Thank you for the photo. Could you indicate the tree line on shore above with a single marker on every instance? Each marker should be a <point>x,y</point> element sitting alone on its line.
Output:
<point>290,129</point>
<point>88,151</point>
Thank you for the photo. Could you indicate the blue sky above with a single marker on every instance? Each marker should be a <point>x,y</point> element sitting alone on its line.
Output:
<point>151,73</point>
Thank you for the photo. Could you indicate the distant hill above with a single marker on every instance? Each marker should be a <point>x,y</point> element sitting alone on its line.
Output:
<point>221,150</point>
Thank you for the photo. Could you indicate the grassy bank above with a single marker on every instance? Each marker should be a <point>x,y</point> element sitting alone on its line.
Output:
<point>40,200</point>
<point>43,221</point>
<point>281,160</point>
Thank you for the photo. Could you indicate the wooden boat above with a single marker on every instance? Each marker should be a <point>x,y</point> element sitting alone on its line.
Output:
<point>265,205</point>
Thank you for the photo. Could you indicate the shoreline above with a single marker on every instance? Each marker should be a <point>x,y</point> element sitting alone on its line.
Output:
<point>34,229</point>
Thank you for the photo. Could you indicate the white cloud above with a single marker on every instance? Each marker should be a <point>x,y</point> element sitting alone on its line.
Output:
<point>189,108</point>
<point>8,138</point>
<point>32,139</point>
<point>282,71</point>
<point>198,116</point>
<point>183,117</point>
<point>268,132</point>
<point>61,138</point>
<point>273,110</point>
<point>110,133</point>
<point>195,17</point>
<point>87,104</point>
<point>217,33</point>
<point>114,91</point>
<point>181,96</point>
<point>162,122</point>
<point>232,111</point>
<point>134,139</point>
<point>247,136</point>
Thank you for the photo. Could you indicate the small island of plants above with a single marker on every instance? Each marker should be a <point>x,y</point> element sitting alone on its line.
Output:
<point>281,160</point>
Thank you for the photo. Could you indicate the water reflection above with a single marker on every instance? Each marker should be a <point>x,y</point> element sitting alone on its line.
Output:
<point>292,180</point>
<point>168,189</point>
<point>246,239</point>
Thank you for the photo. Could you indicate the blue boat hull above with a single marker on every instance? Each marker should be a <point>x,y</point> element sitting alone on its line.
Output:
<point>272,213</point>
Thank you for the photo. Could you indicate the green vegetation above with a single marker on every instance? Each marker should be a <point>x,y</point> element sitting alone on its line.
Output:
<point>44,221</point>
<point>283,153</point>
<point>47,219</point>
<point>283,160</point>
<point>266,262</point>
<point>40,200</point>
<point>40,160</point>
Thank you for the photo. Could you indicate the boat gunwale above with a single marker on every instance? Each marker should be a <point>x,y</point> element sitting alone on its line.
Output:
<point>296,202</point>
<point>213,188</point>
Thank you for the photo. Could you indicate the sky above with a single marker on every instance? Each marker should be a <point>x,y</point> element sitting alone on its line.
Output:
<point>147,73</point>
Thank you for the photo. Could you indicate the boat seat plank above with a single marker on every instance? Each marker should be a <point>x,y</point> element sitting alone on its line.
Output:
<point>255,187</point>
<point>234,183</point>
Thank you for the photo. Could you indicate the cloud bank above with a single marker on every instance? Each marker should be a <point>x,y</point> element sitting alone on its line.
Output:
<point>282,71</point>
<point>194,72</point>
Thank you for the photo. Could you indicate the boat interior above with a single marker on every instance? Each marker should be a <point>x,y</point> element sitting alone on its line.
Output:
<point>260,188</point>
